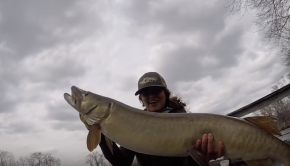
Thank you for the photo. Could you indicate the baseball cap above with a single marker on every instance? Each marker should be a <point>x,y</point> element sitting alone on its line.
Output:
<point>150,79</point>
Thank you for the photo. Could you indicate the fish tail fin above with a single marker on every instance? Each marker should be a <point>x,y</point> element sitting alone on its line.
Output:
<point>265,122</point>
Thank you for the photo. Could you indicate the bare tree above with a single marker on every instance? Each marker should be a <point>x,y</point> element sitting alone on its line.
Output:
<point>33,159</point>
<point>49,160</point>
<point>273,17</point>
<point>22,161</point>
<point>7,159</point>
<point>42,159</point>
<point>37,157</point>
<point>11,160</point>
<point>3,158</point>
<point>96,159</point>
<point>279,109</point>
<point>30,161</point>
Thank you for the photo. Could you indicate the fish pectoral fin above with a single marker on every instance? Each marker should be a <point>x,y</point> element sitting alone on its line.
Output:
<point>265,122</point>
<point>262,162</point>
<point>198,157</point>
<point>94,137</point>
<point>109,144</point>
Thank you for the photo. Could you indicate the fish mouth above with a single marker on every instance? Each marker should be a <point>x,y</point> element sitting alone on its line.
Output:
<point>76,98</point>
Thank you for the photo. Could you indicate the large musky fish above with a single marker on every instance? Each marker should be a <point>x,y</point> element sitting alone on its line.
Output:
<point>166,134</point>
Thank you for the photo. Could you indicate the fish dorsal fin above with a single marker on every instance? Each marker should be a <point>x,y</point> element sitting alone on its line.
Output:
<point>94,137</point>
<point>265,122</point>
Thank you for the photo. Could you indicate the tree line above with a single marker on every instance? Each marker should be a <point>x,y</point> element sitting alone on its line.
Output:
<point>272,17</point>
<point>46,159</point>
<point>98,159</point>
<point>33,159</point>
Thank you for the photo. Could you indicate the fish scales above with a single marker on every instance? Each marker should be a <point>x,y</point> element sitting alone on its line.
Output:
<point>163,134</point>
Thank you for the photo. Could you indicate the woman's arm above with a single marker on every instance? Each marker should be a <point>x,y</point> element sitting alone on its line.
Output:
<point>121,156</point>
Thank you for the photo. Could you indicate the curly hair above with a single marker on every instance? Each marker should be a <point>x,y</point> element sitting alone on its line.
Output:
<point>172,101</point>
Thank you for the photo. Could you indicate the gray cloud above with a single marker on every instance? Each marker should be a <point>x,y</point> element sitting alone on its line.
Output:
<point>52,151</point>
<point>69,126</point>
<point>190,63</point>
<point>54,71</point>
<point>19,127</point>
<point>62,112</point>
<point>61,116</point>
<point>214,49</point>
<point>123,82</point>
<point>8,81</point>
<point>34,46</point>
<point>29,26</point>
<point>46,76</point>
<point>172,17</point>
<point>7,105</point>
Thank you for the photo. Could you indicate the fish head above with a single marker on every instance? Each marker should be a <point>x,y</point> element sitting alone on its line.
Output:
<point>92,107</point>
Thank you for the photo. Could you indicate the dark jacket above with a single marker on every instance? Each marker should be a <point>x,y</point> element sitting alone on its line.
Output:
<point>125,157</point>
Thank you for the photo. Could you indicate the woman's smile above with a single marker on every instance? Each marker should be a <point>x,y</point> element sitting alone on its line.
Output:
<point>153,98</point>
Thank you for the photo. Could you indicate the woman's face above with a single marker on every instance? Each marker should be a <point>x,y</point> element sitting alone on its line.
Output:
<point>154,98</point>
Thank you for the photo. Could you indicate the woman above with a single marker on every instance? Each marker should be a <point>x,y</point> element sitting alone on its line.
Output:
<point>155,97</point>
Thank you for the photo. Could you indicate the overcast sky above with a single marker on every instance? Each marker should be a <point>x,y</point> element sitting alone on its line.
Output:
<point>217,63</point>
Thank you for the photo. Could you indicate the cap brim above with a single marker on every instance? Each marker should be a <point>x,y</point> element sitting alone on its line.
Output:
<point>138,91</point>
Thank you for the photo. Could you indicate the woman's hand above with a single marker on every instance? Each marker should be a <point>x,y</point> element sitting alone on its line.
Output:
<point>207,147</point>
